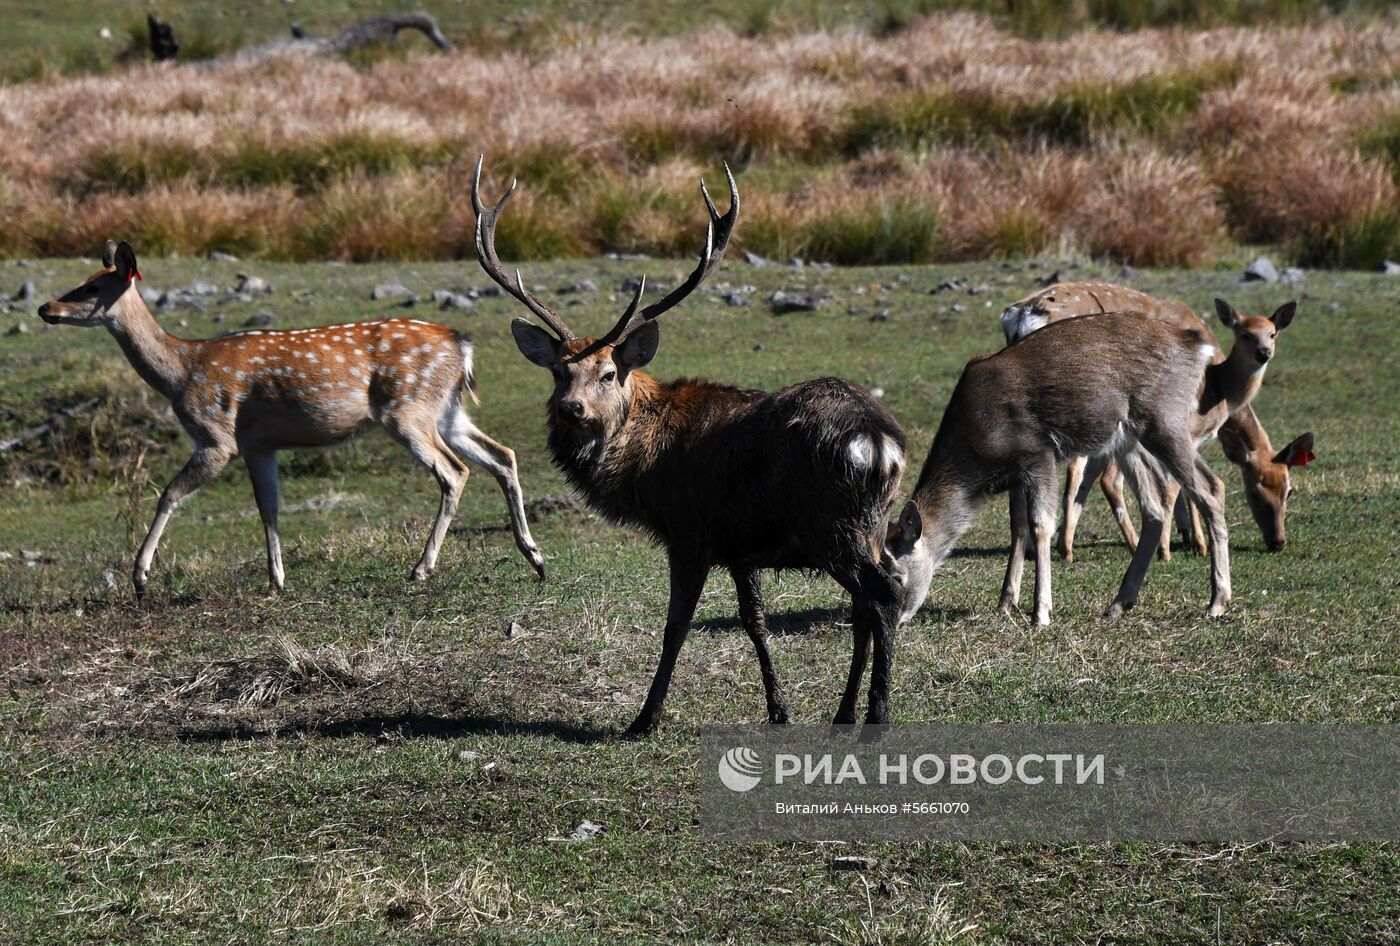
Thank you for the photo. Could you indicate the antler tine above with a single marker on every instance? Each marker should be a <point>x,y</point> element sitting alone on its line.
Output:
<point>491,263</point>
<point>717,233</point>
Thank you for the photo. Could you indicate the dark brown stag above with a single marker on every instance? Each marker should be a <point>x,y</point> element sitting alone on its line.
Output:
<point>720,476</point>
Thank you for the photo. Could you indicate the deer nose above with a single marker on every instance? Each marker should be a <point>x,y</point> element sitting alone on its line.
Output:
<point>1264,354</point>
<point>571,408</point>
<point>46,312</point>
<point>1277,545</point>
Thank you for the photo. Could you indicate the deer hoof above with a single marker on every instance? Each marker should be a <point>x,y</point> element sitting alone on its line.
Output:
<point>778,716</point>
<point>1042,620</point>
<point>1114,612</point>
<point>419,574</point>
<point>1007,608</point>
<point>1218,609</point>
<point>537,561</point>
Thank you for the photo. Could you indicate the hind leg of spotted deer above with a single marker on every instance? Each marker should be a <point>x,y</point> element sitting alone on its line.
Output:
<point>427,447</point>
<point>262,470</point>
<point>1188,523</point>
<point>1146,478</point>
<point>1111,482</point>
<point>205,464</point>
<point>687,581</point>
<point>475,447</point>
<point>748,585</point>
<point>1016,561</point>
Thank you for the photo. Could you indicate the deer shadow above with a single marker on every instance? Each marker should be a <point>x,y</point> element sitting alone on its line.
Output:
<point>406,725</point>
<point>804,623</point>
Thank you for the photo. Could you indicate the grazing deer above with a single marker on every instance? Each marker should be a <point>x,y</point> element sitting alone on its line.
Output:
<point>251,394</point>
<point>1111,383</point>
<point>1265,471</point>
<point>719,476</point>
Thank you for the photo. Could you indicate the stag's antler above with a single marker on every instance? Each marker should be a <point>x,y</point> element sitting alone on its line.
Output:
<point>486,253</point>
<point>717,234</point>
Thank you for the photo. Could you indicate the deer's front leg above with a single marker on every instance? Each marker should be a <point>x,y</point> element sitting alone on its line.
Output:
<point>262,470</point>
<point>1016,562</point>
<point>750,591</point>
<point>203,466</point>
<point>687,581</point>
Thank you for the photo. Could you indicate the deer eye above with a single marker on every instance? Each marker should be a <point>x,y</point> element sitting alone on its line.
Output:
<point>608,376</point>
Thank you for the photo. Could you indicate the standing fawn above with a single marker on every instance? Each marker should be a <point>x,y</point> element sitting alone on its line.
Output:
<point>1110,383</point>
<point>1265,471</point>
<point>251,394</point>
<point>720,476</point>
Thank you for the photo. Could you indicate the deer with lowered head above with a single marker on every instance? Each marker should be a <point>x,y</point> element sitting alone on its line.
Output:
<point>1265,471</point>
<point>251,394</point>
<point>721,477</point>
<point>1110,383</point>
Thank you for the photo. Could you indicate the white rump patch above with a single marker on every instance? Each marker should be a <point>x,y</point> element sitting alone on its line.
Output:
<point>861,450</point>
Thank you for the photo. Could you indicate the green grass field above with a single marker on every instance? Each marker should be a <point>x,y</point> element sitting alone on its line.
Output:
<point>365,760</point>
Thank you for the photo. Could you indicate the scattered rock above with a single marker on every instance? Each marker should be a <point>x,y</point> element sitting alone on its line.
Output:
<point>200,288</point>
<point>1049,280</point>
<point>453,300</point>
<point>583,285</point>
<point>850,862</point>
<point>585,831</point>
<point>150,296</point>
<point>391,290</point>
<point>253,285</point>
<point>33,557</point>
<point>1127,272</point>
<point>467,755</point>
<point>959,307</point>
<point>758,346</point>
<point>736,299</point>
<point>877,392</point>
<point>797,262</point>
<point>219,256</point>
<point>107,581</point>
<point>1261,270</point>
<point>1292,276</point>
<point>20,329</point>
<point>753,259</point>
<point>261,318</point>
<point>27,291</point>
<point>947,286</point>
<point>882,316</point>
<point>978,289</point>
<point>782,302</point>
<point>408,303</point>
<point>514,630</point>
<point>1390,268</point>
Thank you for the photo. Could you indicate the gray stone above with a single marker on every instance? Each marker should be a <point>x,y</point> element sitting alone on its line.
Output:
<point>1261,270</point>
<point>515,629</point>
<point>753,259</point>
<point>253,285</point>
<point>850,862</point>
<point>391,290</point>
<point>585,831</point>
<point>20,329</point>
<point>261,318</point>
<point>151,296</point>
<point>219,256</point>
<point>782,302</point>
<point>1390,268</point>
<point>736,299</point>
<point>27,291</point>
<point>1292,276</point>
<point>455,300</point>
<point>200,288</point>
<point>882,316</point>
<point>797,262</point>
<point>583,285</point>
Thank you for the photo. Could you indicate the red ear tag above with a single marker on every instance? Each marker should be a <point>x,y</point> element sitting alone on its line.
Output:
<point>1302,458</point>
<point>134,274</point>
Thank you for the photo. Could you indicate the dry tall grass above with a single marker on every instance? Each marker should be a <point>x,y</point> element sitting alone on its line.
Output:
<point>946,140</point>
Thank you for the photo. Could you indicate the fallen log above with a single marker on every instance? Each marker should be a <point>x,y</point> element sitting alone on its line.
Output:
<point>34,433</point>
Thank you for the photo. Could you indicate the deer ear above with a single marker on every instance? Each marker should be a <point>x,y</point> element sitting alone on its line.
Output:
<point>109,254</point>
<point>125,262</point>
<point>905,533</point>
<point>1284,316</point>
<point>535,343</point>
<point>1227,313</point>
<point>639,348</point>
<point>1297,453</point>
<point>1236,450</point>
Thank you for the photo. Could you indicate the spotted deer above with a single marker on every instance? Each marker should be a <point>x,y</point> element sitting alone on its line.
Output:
<point>1265,471</point>
<point>721,477</point>
<point>251,394</point>
<point>1110,383</point>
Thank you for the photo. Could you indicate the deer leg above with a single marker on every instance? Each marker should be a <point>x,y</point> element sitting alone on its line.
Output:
<point>687,581</point>
<point>1111,482</point>
<point>262,470</point>
<point>1198,536</point>
<point>1207,492</point>
<point>427,447</point>
<point>1074,482</point>
<point>205,464</point>
<point>748,584</point>
<point>877,609</point>
<point>1171,493</point>
<point>860,653</point>
<point>498,460</point>
<point>1040,506</point>
<point>1016,561</point>
<point>1145,481</point>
